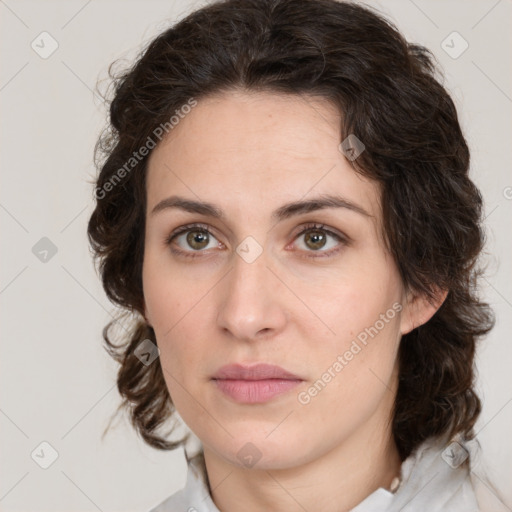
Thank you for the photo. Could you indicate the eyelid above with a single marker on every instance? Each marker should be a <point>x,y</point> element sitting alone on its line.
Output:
<point>310,226</point>
<point>341,237</point>
<point>188,227</point>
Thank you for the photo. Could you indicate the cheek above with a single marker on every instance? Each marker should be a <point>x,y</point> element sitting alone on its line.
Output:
<point>173,291</point>
<point>181,361</point>
<point>355,301</point>
<point>164,294</point>
<point>353,379</point>
<point>357,358</point>
<point>164,307</point>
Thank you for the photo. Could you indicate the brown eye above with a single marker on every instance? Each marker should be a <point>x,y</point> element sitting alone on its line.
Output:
<point>315,239</point>
<point>198,240</point>
<point>192,239</point>
<point>318,239</point>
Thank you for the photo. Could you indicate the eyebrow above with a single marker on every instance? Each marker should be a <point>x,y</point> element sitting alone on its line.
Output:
<point>284,212</point>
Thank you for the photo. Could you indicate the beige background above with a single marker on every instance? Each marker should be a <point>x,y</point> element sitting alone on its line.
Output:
<point>57,383</point>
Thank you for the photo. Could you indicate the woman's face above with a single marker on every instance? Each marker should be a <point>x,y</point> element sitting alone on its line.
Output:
<point>311,290</point>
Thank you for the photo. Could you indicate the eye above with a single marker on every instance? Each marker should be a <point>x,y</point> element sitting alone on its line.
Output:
<point>192,240</point>
<point>196,237</point>
<point>316,239</point>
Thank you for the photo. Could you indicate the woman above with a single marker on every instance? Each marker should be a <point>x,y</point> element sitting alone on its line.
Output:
<point>284,208</point>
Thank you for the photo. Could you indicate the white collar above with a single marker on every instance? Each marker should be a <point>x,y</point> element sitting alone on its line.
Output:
<point>428,482</point>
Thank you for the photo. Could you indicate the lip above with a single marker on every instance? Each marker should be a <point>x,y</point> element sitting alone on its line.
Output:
<point>254,384</point>
<point>254,372</point>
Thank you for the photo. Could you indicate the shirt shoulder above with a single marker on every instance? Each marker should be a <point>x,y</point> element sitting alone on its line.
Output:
<point>436,477</point>
<point>489,498</point>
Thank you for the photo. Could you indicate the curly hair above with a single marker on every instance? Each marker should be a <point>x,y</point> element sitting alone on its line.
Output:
<point>392,99</point>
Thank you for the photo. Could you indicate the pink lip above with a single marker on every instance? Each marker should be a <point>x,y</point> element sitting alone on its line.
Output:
<point>254,384</point>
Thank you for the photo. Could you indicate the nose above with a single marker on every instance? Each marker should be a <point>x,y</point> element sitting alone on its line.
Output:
<point>252,300</point>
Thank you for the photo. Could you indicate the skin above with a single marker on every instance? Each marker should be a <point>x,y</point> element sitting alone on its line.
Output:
<point>250,153</point>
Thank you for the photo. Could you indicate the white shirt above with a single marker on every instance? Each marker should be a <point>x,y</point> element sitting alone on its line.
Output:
<point>433,478</point>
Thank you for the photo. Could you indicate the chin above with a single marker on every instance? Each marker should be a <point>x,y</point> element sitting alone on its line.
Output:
<point>261,453</point>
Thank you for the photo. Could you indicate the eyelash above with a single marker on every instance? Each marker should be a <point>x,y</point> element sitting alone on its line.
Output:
<point>308,227</point>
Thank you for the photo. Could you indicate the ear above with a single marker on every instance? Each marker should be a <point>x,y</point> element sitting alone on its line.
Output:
<point>419,309</point>
<point>145,314</point>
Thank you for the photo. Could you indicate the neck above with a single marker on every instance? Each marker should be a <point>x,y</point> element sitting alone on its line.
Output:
<point>337,481</point>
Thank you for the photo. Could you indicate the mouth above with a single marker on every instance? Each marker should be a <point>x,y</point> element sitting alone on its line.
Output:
<point>254,384</point>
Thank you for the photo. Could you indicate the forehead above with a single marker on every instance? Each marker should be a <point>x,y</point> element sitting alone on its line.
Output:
<point>249,150</point>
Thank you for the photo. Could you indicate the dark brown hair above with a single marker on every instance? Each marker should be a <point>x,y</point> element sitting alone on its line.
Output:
<point>391,99</point>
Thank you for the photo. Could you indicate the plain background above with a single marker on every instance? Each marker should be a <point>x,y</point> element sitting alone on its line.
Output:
<point>57,383</point>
